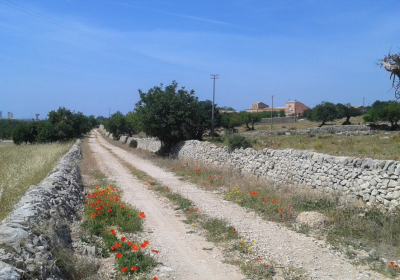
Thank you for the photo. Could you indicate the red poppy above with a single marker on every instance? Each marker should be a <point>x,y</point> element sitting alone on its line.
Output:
<point>124,269</point>
<point>146,242</point>
<point>117,245</point>
<point>234,230</point>
<point>222,178</point>
<point>98,213</point>
<point>97,209</point>
<point>135,248</point>
<point>142,246</point>
<point>188,212</point>
<point>109,210</point>
<point>155,251</point>
<point>106,203</point>
<point>209,178</point>
<point>273,199</point>
<point>118,255</point>
<point>122,207</point>
<point>155,278</point>
<point>396,266</point>
<point>197,208</point>
<point>134,267</point>
<point>113,231</point>
<point>266,265</point>
<point>129,243</point>
<point>94,215</point>
<point>142,215</point>
<point>260,258</point>
<point>266,200</point>
<point>123,239</point>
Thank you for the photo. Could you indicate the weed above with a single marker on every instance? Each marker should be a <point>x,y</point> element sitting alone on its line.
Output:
<point>133,143</point>
<point>318,145</point>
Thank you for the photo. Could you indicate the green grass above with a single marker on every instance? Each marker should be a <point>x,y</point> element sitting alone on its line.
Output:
<point>23,166</point>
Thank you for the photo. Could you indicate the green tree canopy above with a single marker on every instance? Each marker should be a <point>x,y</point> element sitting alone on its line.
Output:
<point>116,124</point>
<point>324,112</point>
<point>346,111</point>
<point>168,114</point>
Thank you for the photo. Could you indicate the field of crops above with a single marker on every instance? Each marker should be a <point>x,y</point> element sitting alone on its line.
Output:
<point>23,166</point>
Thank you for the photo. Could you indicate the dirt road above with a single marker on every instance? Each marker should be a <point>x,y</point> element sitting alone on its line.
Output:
<point>183,252</point>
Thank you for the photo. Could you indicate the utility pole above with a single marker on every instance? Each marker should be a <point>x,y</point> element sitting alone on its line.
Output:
<point>272,112</point>
<point>212,117</point>
<point>295,111</point>
<point>363,105</point>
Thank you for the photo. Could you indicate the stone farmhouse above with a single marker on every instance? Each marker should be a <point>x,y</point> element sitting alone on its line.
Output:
<point>292,108</point>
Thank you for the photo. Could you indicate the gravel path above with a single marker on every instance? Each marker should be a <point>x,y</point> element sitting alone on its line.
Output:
<point>181,252</point>
<point>272,240</point>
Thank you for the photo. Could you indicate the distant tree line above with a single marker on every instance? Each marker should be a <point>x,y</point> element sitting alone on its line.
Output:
<point>388,111</point>
<point>327,112</point>
<point>6,127</point>
<point>61,125</point>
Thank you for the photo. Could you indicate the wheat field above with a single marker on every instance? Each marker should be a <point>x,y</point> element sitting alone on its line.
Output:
<point>23,166</point>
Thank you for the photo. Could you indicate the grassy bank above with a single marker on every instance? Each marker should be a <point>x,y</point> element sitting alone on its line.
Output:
<point>23,166</point>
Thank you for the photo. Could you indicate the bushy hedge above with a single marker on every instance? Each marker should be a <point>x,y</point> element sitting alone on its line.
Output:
<point>61,125</point>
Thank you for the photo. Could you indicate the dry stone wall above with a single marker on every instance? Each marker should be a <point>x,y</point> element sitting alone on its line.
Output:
<point>40,221</point>
<point>375,182</point>
<point>340,129</point>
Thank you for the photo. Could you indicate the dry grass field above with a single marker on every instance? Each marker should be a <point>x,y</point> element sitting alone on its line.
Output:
<point>23,166</point>
<point>383,145</point>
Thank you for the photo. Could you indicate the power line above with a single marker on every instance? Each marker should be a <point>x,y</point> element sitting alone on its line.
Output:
<point>87,34</point>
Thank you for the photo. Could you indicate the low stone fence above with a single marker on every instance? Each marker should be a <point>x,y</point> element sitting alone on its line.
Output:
<point>375,182</point>
<point>341,129</point>
<point>40,221</point>
<point>149,144</point>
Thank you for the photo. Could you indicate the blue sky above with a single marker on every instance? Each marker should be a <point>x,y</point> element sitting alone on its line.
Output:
<point>93,55</point>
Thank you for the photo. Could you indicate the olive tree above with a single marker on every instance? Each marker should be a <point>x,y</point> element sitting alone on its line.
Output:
<point>391,63</point>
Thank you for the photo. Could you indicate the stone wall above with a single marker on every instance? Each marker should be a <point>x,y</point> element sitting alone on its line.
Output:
<point>341,129</point>
<point>40,221</point>
<point>149,144</point>
<point>375,182</point>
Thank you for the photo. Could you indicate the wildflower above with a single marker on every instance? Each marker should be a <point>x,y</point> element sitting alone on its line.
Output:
<point>113,231</point>
<point>98,213</point>
<point>142,215</point>
<point>134,268</point>
<point>94,215</point>
<point>209,178</point>
<point>234,230</point>
<point>266,265</point>
<point>123,239</point>
<point>119,255</point>
<point>396,266</point>
<point>143,246</point>
<point>222,178</point>
<point>122,207</point>
<point>254,241</point>
<point>260,258</point>
<point>109,210</point>
<point>197,208</point>
<point>155,278</point>
<point>273,199</point>
<point>146,242</point>
<point>124,269</point>
<point>188,212</point>
<point>155,251</point>
<point>106,203</point>
<point>135,248</point>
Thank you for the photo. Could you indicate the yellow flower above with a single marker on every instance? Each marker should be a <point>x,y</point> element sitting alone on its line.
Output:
<point>254,241</point>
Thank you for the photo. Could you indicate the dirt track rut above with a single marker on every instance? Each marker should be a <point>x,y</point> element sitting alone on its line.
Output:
<point>272,241</point>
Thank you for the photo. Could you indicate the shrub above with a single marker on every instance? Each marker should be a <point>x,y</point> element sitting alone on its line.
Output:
<point>236,141</point>
<point>133,143</point>
<point>318,145</point>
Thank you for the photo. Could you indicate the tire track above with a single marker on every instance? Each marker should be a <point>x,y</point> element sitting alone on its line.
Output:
<point>181,254</point>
